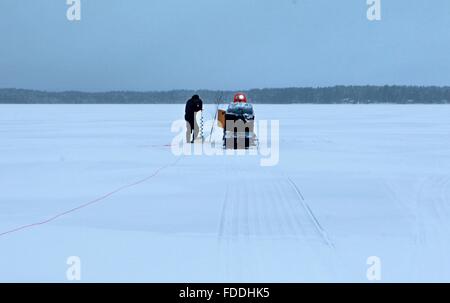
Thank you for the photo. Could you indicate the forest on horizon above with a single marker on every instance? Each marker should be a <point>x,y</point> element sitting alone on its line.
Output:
<point>296,95</point>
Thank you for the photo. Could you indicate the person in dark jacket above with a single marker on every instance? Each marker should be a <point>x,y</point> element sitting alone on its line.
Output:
<point>193,105</point>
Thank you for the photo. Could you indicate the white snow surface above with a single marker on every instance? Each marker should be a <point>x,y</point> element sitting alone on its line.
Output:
<point>353,181</point>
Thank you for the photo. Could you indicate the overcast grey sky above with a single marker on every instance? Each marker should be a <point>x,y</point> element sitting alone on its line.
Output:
<point>221,44</point>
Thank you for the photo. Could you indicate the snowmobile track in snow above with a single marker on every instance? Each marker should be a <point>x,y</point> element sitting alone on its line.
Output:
<point>261,213</point>
<point>276,215</point>
<point>311,215</point>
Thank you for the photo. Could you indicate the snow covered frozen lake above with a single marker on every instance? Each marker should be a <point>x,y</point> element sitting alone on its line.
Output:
<point>99,182</point>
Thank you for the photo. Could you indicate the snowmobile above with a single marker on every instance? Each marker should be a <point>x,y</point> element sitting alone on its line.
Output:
<point>238,123</point>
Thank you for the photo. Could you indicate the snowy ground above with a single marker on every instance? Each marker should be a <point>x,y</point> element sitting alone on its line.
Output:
<point>375,181</point>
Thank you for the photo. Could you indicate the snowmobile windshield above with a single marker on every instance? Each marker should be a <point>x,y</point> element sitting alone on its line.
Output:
<point>240,109</point>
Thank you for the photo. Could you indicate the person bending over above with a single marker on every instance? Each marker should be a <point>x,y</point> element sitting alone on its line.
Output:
<point>193,105</point>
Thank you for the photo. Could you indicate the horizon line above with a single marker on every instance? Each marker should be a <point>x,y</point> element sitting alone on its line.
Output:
<point>221,90</point>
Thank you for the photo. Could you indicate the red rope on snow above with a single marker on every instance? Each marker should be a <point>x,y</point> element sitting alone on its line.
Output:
<point>154,174</point>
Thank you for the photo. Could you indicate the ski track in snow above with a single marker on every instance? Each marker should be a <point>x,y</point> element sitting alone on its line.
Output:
<point>430,207</point>
<point>433,233</point>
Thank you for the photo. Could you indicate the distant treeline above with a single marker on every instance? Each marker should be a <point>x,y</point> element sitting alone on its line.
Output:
<point>319,95</point>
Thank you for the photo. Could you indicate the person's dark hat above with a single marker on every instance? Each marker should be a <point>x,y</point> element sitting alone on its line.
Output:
<point>195,97</point>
